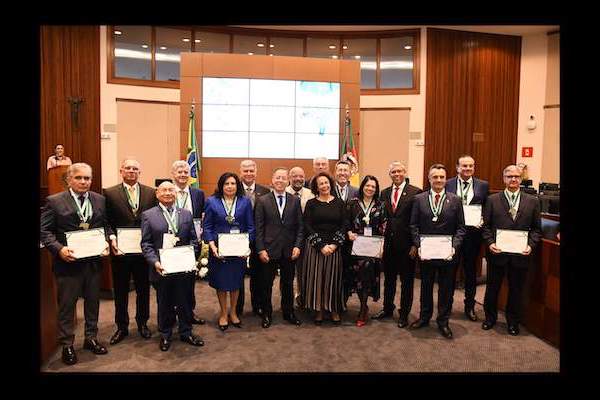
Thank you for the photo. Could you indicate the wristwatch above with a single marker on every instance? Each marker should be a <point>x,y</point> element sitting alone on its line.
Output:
<point>112,237</point>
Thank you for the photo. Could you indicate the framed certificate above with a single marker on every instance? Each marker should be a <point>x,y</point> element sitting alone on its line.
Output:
<point>436,247</point>
<point>129,240</point>
<point>178,259</point>
<point>86,243</point>
<point>472,214</point>
<point>234,244</point>
<point>511,241</point>
<point>198,228</point>
<point>368,246</point>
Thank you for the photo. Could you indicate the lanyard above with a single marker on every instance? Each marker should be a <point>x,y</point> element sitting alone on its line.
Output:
<point>133,205</point>
<point>229,210</point>
<point>185,197</point>
<point>511,202</point>
<point>84,211</point>
<point>436,210</point>
<point>463,195</point>
<point>366,210</point>
<point>171,220</point>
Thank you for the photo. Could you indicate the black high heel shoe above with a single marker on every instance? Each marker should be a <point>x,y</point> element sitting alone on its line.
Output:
<point>236,324</point>
<point>223,328</point>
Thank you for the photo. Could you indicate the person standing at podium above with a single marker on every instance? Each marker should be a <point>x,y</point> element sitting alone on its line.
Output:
<point>58,158</point>
<point>75,209</point>
<point>125,204</point>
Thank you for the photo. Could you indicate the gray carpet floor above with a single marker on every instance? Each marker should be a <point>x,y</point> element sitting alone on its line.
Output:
<point>380,346</point>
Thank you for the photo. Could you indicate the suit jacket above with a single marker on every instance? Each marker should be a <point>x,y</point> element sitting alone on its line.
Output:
<point>305,195</point>
<point>154,226</point>
<point>397,231</point>
<point>450,222</point>
<point>197,196</point>
<point>214,218</point>
<point>496,216</point>
<point>59,215</point>
<point>119,211</point>
<point>277,235</point>
<point>352,192</point>
<point>481,189</point>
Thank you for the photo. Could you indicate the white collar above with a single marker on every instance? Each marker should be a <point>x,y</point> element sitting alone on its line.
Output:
<point>76,196</point>
<point>126,186</point>
<point>185,189</point>
<point>164,208</point>
<point>246,187</point>
<point>470,180</point>
<point>516,193</point>
<point>400,187</point>
<point>433,193</point>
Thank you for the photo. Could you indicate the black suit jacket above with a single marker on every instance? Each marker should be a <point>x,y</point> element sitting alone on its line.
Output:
<point>276,235</point>
<point>397,231</point>
<point>119,212</point>
<point>481,189</point>
<point>450,222</point>
<point>496,216</point>
<point>59,215</point>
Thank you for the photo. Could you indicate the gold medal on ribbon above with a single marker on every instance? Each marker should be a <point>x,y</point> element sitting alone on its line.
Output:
<point>84,225</point>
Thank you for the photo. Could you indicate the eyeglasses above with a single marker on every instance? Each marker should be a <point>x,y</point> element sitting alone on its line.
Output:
<point>513,176</point>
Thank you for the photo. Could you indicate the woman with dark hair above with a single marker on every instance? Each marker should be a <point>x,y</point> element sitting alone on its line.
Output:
<point>324,224</point>
<point>227,211</point>
<point>366,216</point>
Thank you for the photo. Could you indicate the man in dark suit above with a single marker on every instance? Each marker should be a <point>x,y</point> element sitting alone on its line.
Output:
<point>125,203</point>
<point>253,191</point>
<point>399,253</point>
<point>471,191</point>
<point>279,236</point>
<point>72,210</point>
<point>437,212</point>
<point>320,164</point>
<point>166,226</point>
<point>192,199</point>
<point>511,209</point>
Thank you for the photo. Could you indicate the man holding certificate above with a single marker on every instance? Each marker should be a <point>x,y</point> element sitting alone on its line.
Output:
<point>511,230</point>
<point>279,237</point>
<point>170,247</point>
<point>437,225</point>
<point>74,229</point>
<point>473,193</point>
<point>125,204</point>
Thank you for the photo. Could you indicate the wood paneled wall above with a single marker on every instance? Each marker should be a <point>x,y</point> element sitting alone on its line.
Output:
<point>70,67</point>
<point>472,101</point>
<point>194,66</point>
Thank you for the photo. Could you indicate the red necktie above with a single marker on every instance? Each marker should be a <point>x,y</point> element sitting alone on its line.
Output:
<point>437,199</point>
<point>395,201</point>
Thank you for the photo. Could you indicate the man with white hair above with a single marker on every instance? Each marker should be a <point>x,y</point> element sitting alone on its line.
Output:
<point>75,209</point>
<point>511,210</point>
<point>320,164</point>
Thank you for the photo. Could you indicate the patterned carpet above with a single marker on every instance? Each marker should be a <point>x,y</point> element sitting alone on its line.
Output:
<point>380,346</point>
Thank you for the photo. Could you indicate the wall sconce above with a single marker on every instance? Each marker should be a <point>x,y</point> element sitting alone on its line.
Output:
<point>531,124</point>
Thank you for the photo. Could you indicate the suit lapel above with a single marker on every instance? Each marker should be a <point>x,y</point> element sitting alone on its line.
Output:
<point>401,197</point>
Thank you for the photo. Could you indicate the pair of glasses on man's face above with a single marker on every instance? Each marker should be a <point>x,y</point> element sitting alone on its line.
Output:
<point>513,176</point>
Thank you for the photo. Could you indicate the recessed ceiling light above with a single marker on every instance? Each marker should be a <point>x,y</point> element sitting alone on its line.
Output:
<point>345,47</point>
<point>259,44</point>
<point>118,33</point>
<point>197,40</point>
<point>144,46</point>
<point>185,39</point>
<point>250,53</point>
<point>271,45</point>
<point>332,46</point>
<point>334,56</point>
<point>271,54</point>
<point>163,48</point>
<point>408,47</point>
<point>357,57</point>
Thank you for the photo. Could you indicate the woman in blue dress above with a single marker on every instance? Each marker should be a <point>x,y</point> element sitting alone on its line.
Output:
<point>227,211</point>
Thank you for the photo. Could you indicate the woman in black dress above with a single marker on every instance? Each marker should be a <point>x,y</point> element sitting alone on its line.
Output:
<point>324,224</point>
<point>366,216</point>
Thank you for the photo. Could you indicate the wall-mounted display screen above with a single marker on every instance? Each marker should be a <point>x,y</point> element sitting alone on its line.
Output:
<point>262,118</point>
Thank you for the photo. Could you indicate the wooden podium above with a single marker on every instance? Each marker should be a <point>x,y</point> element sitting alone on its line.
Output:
<point>57,179</point>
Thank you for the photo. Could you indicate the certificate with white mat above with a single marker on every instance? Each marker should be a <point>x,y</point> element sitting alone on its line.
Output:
<point>86,243</point>
<point>234,244</point>
<point>177,259</point>
<point>368,246</point>
<point>129,240</point>
<point>511,241</point>
<point>436,247</point>
<point>472,214</point>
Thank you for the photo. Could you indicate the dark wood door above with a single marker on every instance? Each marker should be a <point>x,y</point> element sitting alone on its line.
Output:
<point>472,101</point>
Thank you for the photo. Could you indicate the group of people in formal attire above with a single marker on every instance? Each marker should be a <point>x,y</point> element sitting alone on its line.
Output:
<point>303,230</point>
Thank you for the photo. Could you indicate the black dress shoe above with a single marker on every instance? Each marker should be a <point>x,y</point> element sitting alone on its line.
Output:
<point>383,314</point>
<point>513,330</point>
<point>402,322</point>
<point>144,331</point>
<point>266,321</point>
<point>292,319</point>
<point>193,340</point>
<point>197,321</point>
<point>68,355</point>
<point>470,313</point>
<point>445,331</point>
<point>257,311</point>
<point>118,336</point>
<point>164,344</point>
<point>419,324</point>
<point>487,325</point>
<point>94,346</point>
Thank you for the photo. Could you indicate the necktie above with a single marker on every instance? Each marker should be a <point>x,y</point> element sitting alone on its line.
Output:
<point>297,194</point>
<point>280,200</point>
<point>133,198</point>
<point>395,201</point>
<point>81,199</point>
<point>512,196</point>
<point>437,199</point>
<point>465,185</point>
